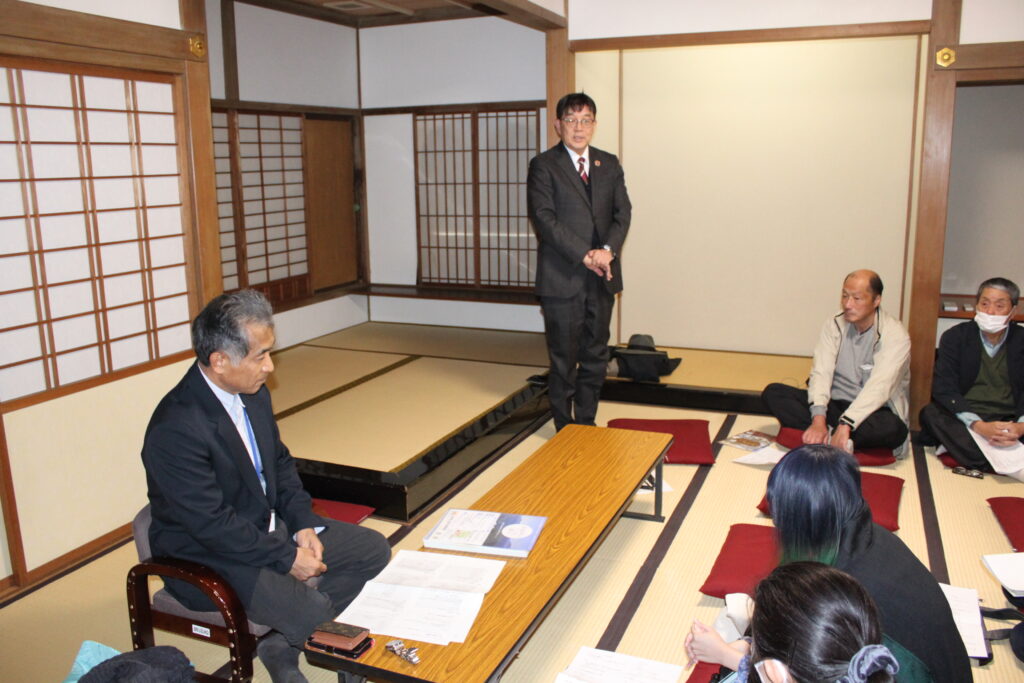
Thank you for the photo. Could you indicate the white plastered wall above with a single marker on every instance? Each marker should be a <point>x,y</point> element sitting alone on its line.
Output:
<point>451,62</point>
<point>614,18</point>
<point>760,175</point>
<point>991,21</point>
<point>294,60</point>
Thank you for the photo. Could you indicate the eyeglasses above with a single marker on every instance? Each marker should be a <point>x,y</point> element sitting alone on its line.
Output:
<point>573,123</point>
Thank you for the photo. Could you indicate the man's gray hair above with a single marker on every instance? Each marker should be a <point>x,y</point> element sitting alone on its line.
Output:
<point>221,326</point>
<point>1003,284</point>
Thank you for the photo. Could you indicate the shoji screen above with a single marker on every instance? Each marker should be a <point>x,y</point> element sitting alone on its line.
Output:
<point>92,244</point>
<point>760,174</point>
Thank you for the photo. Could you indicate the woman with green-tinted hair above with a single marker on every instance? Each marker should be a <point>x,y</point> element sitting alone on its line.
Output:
<point>820,514</point>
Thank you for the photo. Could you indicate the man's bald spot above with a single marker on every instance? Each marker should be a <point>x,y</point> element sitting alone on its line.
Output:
<point>871,278</point>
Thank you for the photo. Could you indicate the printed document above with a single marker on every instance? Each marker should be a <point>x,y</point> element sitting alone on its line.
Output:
<point>429,597</point>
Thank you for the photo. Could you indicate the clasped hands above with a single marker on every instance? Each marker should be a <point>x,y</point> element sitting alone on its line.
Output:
<point>818,433</point>
<point>1000,434</point>
<point>308,556</point>
<point>599,261</point>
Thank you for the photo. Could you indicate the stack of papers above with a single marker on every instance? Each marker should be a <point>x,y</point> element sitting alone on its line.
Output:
<point>1008,568</point>
<point>601,666</point>
<point>429,597</point>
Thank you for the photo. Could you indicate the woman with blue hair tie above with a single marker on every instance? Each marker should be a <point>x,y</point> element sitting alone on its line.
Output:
<point>814,623</point>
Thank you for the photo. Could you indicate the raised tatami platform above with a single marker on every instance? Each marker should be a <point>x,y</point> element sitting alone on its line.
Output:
<point>639,592</point>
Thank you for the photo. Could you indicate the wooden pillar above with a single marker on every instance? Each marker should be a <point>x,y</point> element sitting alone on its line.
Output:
<point>929,245</point>
<point>205,249</point>
<point>561,74</point>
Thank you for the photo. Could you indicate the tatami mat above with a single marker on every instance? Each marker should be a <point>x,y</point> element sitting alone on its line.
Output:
<point>496,346</point>
<point>970,530</point>
<point>304,372</point>
<point>401,412</point>
<point>733,370</point>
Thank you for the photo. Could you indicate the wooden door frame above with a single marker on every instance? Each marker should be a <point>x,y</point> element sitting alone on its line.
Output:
<point>973,63</point>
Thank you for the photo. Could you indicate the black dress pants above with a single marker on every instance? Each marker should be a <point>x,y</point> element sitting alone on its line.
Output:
<point>947,429</point>
<point>576,331</point>
<point>791,407</point>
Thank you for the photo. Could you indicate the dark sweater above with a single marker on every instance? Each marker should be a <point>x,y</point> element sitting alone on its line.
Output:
<point>912,607</point>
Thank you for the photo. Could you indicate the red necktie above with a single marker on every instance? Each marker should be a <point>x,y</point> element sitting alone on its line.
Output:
<point>583,171</point>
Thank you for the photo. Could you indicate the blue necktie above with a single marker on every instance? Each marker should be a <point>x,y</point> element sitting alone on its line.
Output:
<point>255,449</point>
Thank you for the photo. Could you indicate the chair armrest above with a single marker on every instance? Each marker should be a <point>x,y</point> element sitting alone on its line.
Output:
<point>212,585</point>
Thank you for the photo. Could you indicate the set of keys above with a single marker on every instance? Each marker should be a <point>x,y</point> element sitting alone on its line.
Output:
<point>407,653</point>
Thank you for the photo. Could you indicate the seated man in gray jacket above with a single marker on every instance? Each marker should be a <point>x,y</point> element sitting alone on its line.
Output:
<point>860,377</point>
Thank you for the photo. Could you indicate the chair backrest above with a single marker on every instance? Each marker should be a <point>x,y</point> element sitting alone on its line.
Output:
<point>140,529</point>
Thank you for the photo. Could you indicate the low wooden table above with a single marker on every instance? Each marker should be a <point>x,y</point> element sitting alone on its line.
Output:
<point>582,480</point>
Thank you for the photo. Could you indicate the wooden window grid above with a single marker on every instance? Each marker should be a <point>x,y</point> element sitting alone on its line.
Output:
<point>472,224</point>
<point>261,202</point>
<point>93,275</point>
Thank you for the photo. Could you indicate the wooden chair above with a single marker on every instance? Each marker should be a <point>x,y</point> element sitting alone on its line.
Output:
<point>227,626</point>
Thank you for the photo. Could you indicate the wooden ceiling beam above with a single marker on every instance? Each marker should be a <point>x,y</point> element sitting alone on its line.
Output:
<point>519,11</point>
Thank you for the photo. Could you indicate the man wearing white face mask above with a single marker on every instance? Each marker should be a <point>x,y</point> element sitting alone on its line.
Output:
<point>979,379</point>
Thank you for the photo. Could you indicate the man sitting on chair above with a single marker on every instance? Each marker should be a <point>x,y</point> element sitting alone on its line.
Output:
<point>979,379</point>
<point>859,379</point>
<point>225,492</point>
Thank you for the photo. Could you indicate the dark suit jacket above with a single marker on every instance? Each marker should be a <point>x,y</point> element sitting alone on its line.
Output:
<point>564,218</point>
<point>207,502</point>
<point>959,361</point>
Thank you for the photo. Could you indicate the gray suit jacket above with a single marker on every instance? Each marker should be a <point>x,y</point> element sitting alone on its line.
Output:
<point>564,218</point>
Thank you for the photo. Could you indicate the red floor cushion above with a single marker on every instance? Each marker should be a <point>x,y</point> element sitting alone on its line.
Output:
<point>881,491</point>
<point>748,555</point>
<point>702,672</point>
<point>1009,510</point>
<point>866,457</point>
<point>691,444</point>
<point>948,460</point>
<point>343,512</point>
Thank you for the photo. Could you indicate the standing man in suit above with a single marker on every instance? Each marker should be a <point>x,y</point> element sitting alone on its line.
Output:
<point>580,210</point>
<point>224,490</point>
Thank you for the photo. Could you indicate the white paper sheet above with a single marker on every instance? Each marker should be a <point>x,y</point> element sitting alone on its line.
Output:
<point>429,597</point>
<point>1008,460</point>
<point>769,455</point>
<point>425,614</point>
<point>1008,568</point>
<point>967,616</point>
<point>601,666</point>
<point>436,570</point>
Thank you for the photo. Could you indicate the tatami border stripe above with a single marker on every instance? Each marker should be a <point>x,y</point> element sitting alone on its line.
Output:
<point>287,412</point>
<point>634,596</point>
<point>932,533</point>
<point>427,355</point>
